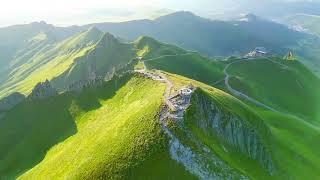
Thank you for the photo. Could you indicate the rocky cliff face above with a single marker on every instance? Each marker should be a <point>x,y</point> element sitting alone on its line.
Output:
<point>43,90</point>
<point>11,101</point>
<point>232,130</point>
<point>79,85</point>
<point>95,81</point>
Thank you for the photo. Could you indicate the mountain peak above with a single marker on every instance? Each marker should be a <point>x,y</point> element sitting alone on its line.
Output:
<point>84,38</point>
<point>91,35</point>
<point>183,13</point>
<point>145,40</point>
<point>41,25</point>
<point>110,37</point>
<point>107,40</point>
<point>93,31</point>
<point>250,17</point>
<point>179,15</point>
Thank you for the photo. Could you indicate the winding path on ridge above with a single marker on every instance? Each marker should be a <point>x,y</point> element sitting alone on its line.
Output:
<point>196,164</point>
<point>159,77</point>
<point>226,80</point>
<point>163,78</point>
<point>240,94</point>
<point>182,153</point>
<point>254,101</point>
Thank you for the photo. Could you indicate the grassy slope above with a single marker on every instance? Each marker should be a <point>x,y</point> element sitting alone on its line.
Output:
<point>113,137</point>
<point>53,118</point>
<point>108,55</point>
<point>262,80</point>
<point>157,55</point>
<point>293,142</point>
<point>85,115</point>
<point>232,156</point>
<point>231,105</point>
<point>49,62</point>
<point>91,124</point>
<point>151,48</point>
<point>295,145</point>
<point>77,57</point>
<point>70,61</point>
<point>26,135</point>
<point>293,90</point>
<point>267,80</point>
<point>192,66</point>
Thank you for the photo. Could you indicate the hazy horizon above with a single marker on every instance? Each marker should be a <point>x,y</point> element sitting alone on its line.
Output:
<point>66,13</point>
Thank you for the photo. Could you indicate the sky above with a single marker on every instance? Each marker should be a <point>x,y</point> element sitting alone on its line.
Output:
<point>77,12</point>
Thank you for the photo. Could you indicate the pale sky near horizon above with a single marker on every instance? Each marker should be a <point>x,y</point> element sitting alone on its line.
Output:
<point>75,12</point>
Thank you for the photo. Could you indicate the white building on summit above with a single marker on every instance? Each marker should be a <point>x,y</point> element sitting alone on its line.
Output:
<point>185,91</point>
<point>258,52</point>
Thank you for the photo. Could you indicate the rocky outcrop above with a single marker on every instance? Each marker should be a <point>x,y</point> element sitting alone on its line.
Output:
<point>79,85</point>
<point>232,130</point>
<point>197,159</point>
<point>10,101</point>
<point>43,90</point>
<point>97,80</point>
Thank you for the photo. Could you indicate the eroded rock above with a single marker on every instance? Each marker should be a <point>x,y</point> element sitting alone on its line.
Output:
<point>43,90</point>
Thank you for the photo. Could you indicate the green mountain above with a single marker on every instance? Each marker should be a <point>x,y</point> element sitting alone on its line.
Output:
<point>80,57</point>
<point>90,106</point>
<point>209,37</point>
<point>88,55</point>
<point>294,130</point>
<point>21,42</point>
<point>212,38</point>
<point>258,77</point>
<point>221,38</point>
<point>292,82</point>
<point>283,93</point>
<point>114,131</point>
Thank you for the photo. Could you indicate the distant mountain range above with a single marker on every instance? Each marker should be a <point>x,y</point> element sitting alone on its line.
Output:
<point>276,9</point>
<point>184,29</point>
<point>213,38</point>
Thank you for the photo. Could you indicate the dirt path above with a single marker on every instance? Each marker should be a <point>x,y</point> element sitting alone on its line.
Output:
<point>159,77</point>
<point>180,152</point>
<point>240,94</point>
<point>196,163</point>
<point>254,101</point>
